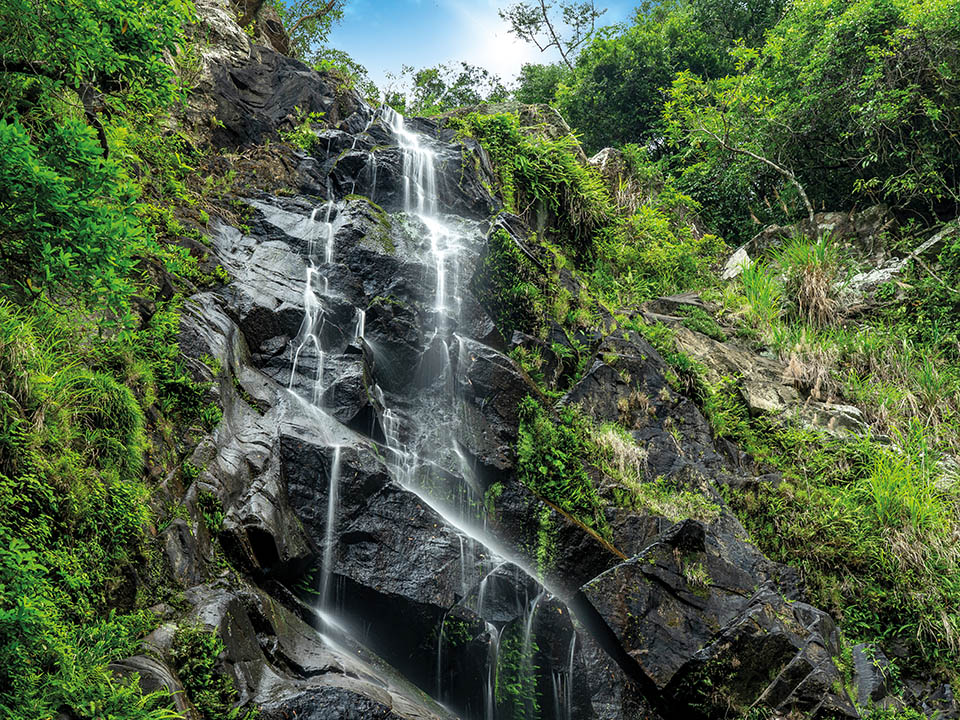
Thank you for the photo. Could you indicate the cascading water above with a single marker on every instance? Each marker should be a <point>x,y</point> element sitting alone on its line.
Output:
<point>333,494</point>
<point>420,428</point>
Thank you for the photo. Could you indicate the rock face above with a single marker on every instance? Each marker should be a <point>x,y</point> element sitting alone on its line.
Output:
<point>385,560</point>
<point>688,613</point>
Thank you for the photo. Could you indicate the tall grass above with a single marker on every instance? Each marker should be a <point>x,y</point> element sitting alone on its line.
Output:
<point>763,293</point>
<point>811,270</point>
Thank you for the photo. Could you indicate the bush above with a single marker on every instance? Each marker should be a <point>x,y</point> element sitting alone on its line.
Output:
<point>812,272</point>
<point>550,461</point>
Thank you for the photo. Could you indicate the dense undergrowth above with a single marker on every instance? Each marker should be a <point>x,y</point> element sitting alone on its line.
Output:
<point>100,228</point>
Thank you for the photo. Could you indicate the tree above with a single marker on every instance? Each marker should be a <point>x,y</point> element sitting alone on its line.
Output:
<point>433,90</point>
<point>854,102</point>
<point>615,94</point>
<point>539,83</point>
<point>728,116</point>
<point>308,22</point>
<point>535,23</point>
<point>733,20</point>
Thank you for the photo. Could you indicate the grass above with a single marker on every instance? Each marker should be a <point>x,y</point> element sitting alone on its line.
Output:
<point>812,271</point>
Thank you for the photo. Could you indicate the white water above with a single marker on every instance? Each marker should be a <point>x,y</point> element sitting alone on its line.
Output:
<point>313,308</point>
<point>420,435</point>
<point>330,538</point>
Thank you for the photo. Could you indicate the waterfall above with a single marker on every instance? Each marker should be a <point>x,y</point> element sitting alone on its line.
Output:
<point>313,308</point>
<point>420,423</point>
<point>330,538</point>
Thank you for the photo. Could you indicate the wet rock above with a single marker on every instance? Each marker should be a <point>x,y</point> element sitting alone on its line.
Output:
<point>492,386</point>
<point>153,675</point>
<point>246,92</point>
<point>686,613</point>
<point>278,662</point>
<point>871,673</point>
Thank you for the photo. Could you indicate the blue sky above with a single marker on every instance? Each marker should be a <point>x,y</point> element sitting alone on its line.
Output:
<point>383,35</point>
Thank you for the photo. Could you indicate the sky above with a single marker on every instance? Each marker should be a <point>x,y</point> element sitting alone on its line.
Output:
<point>384,35</point>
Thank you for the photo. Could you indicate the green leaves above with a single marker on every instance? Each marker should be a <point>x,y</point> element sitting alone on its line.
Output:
<point>64,217</point>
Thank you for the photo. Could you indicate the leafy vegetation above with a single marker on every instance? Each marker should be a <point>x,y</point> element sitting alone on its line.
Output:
<point>195,652</point>
<point>92,392</point>
<point>550,461</point>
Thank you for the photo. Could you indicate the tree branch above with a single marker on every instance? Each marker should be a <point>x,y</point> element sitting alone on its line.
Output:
<point>313,16</point>
<point>553,34</point>
<point>788,174</point>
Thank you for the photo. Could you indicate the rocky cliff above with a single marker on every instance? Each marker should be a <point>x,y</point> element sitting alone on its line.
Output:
<point>358,535</point>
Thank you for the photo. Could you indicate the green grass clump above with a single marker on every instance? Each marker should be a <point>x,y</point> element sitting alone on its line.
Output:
<point>551,456</point>
<point>701,321</point>
<point>812,271</point>
<point>195,653</point>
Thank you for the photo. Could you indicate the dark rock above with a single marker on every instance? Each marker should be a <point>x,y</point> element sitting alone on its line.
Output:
<point>871,671</point>
<point>686,613</point>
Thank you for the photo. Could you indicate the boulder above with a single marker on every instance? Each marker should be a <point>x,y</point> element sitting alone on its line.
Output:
<point>687,614</point>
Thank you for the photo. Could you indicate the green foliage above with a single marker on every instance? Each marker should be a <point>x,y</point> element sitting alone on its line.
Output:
<point>866,89</point>
<point>511,286</point>
<point>931,312</point>
<point>516,682</point>
<point>433,90</point>
<point>701,321</point>
<point>195,653</point>
<point>550,461</point>
<point>539,83</point>
<point>352,74</point>
<point>67,216</point>
<point>538,174</point>
<point>72,514</point>
<point>653,252</point>
<point>303,135</point>
<point>211,510</point>
<point>112,48</point>
<point>64,217</point>
<point>613,95</point>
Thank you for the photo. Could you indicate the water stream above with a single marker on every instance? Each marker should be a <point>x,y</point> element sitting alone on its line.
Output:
<point>420,436</point>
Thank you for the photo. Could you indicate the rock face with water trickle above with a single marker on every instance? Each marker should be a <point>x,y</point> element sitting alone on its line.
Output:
<point>363,481</point>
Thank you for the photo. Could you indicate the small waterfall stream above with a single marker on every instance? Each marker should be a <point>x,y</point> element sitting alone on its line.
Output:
<point>421,448</point>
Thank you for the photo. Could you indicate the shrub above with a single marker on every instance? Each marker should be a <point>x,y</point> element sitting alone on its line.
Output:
<point>812,271</point>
